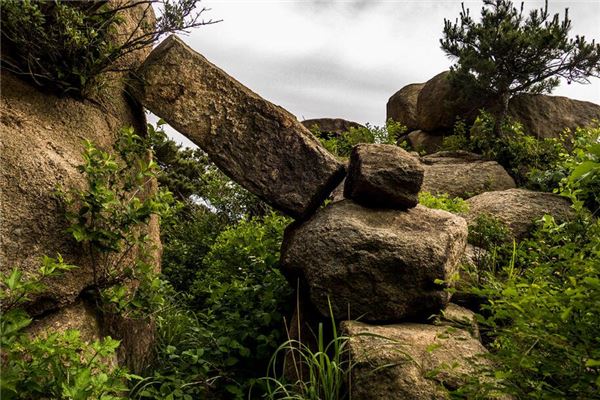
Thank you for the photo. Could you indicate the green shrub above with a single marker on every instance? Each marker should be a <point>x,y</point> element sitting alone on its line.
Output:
<point>217,337</point>
<point>516,151</point>
<point>342,145</point>
<point>67,45</point>
<point>106,218</point>
<point>52,365</point>
<point>542,312</point>
<point>443,202</point>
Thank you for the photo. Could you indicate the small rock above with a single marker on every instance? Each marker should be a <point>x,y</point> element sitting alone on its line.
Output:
<point>381,175</point>
<point>423,141</point>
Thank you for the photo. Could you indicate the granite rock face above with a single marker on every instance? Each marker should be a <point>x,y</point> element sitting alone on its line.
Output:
<point>410,361</point>
<point>381,175</point>
<point>378,264</point>
<point>463,174</point>
<point>256,143</point>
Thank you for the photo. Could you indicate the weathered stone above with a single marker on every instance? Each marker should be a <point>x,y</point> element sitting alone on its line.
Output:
<point>463,174</point>
<point>548,116</point>
<point>439,104</point>
<point>402,106</point>
<point>459,317</point>
<point>410,361</point>
<point>519,209</point>
<point>330,127</point>
<point>256,143</point>
<point>383,175</point>
<point>380,265</point>
<point>423,141</point>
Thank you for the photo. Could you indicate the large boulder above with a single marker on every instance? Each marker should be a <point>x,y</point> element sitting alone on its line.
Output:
<point>548,116</point>
<point>256,143</point>
<point>380,265</point>
<point>330,127</point>
<point>402,106</point>
<point>383,175</point>
<point>463,174</point>
<point>410,361</point>
<point>519,209</point>
<point>439,104</point>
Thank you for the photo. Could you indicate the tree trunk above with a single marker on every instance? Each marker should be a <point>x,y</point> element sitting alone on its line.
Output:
<point>501,114</point>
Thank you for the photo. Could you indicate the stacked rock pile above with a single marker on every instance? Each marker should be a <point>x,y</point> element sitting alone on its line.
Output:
<point>376,255</point>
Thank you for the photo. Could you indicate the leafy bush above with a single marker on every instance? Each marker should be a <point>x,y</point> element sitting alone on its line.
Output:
<point>52,365</point>
<point>516,151</point>
<point>218,336</point>
<point>342,145</point>
<point>443,202</point>
<point>108,216</point>
<point>543,310</point>
<point>67,45</point>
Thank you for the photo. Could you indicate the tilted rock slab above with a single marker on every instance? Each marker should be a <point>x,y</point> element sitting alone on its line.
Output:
<point>256,143</point>
<point>381,265</point>
<point>463,174</point>
<point>382,175</point>
<point>410,361</point>
<point>519,209</point>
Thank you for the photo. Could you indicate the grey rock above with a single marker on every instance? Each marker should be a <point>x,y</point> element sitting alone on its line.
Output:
<point>547,116</point>
<point>330,127</point>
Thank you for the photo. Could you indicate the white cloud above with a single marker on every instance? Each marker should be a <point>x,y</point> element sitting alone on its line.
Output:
<point>321,58</point>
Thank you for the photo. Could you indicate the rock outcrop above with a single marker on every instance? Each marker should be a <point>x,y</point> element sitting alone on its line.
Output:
<point>402,106</point>
<point>256,143</point>
<point>381,175</point>
<point>463,174</point>
<point>410,361</point>
<point>519,209</point>
<point>375,263</point>
<point>434,106</point>
<point>42,140</point>
<point>330,127</point>
<point>547,116</point>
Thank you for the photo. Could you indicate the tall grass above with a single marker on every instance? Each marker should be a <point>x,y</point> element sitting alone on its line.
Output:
<point>317,374</point>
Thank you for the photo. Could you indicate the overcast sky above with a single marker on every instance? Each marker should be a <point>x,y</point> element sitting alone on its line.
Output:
<point>344,59</point>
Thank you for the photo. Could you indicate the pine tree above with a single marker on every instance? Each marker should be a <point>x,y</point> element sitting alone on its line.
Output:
<point>508,52</point>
